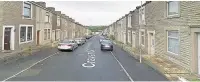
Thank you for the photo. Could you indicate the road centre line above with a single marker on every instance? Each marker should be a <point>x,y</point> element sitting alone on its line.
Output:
<point>29,67</point>
<point>122,68</point>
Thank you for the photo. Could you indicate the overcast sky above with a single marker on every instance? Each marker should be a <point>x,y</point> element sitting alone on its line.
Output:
<point>94,12</point>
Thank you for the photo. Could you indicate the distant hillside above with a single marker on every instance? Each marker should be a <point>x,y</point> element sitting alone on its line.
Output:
<point>96,28</point>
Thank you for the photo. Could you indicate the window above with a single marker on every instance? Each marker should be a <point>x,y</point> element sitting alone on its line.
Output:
<point>129,21</point>
<point>129,36</point>
<point>23,34</point>
<point>27,10</point>
<point>29,33</point>
<point>26,33</point>
<point>173,42</point>
<point>47,19</point>
<point>45,34</point>
<point>58,20</point>
<point>49,33</point>
<point>142,15</point>
<point>173,8</point>
<point>142,37</point>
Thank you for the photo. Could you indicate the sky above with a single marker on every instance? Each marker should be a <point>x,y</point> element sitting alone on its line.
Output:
<point>94,12</point>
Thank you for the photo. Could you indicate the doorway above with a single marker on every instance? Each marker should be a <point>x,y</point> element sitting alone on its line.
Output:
<point>151,42</point>
<point>38,37</point>
<point>198,51</point>
<point>8,38</point>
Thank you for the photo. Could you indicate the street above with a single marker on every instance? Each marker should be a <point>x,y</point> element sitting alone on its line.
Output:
<point>86,63</point>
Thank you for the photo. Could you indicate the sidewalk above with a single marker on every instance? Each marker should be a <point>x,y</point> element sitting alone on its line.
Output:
<point>8,57</point>
<point>171,70</point>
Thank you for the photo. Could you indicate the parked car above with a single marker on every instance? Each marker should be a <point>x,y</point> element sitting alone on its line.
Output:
<point>106,45</point>
<point>89,36</point>
<point>80,41</point>
<point>67,45</point>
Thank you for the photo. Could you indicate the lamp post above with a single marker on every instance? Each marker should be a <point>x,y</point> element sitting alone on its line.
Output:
<point>140,35</point>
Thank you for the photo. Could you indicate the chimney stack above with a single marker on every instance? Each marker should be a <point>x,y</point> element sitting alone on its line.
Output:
<point>43,4</point>
<point>58,12</point>
<point>51,8</point>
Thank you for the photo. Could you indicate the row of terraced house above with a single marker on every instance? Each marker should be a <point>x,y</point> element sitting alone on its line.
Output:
<point>28,23</point>
<point>168,29</point>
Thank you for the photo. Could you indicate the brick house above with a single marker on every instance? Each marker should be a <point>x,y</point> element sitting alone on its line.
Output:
<point>167,29</point>
<point>128,29</point>
<point>69,33</point>
<point>64,28</point>
<point>135,28</point>
<point>54,23</point>
<point>17,29</point>
<point>43,24</point>
<point>171,30</point>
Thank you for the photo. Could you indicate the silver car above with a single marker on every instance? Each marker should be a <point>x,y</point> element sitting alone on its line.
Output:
<point>80,41</point>
<point>67,45</point>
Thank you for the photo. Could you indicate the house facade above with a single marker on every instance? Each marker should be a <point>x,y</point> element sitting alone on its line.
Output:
<point>26,24</point>
<point>43,24</point>
<point>169,29</point>
<point>17,29</point>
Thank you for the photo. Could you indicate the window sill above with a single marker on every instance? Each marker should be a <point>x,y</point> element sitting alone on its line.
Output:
<point>171,53</point>
<point>173,16</point>
<point>27,18</point>
<point>26,42</point>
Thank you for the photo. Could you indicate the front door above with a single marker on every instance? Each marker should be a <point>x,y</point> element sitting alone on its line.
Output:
<point>7,35</point>
<point>38,37</point>
<point>198,49</point>
<point>151,43</point>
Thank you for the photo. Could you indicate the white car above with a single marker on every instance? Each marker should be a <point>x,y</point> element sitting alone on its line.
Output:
<point>67,45</point>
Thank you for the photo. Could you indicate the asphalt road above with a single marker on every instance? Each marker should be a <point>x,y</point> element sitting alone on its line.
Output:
<point>86,63</point>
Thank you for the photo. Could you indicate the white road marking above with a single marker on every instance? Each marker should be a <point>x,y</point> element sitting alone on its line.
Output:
<point>123,68</point>
<point>90,59</point>
<point>29,67</point>
<point>92,65</point>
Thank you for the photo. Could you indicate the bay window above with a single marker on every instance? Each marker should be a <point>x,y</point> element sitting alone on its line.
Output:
<point>26,33</point>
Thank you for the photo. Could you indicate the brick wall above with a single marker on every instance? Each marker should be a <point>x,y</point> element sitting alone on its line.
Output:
<point>157,17</point>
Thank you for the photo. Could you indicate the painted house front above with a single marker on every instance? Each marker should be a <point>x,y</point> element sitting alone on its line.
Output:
<point>17,29</point>
<point>43,24</point>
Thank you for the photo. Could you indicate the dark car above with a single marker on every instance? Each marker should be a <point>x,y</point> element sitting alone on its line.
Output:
<point>106,45</point>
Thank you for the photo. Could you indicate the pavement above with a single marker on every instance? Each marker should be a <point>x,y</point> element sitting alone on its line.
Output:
<point>86,63</point>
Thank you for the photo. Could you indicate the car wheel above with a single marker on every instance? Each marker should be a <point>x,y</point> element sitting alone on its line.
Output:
<point>72,49</point>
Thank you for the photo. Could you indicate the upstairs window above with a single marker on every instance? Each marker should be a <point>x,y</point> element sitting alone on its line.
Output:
<point>142,15</point>
<point>47,19</point>
<point>27,10</point>
<point>58,20</point>
<point>173,8</point>
<point>129,21</point>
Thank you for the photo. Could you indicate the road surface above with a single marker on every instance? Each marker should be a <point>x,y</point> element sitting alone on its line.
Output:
<point>86,63</point>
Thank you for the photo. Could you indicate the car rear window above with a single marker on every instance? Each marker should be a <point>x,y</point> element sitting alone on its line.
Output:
<point>106,41</point>
<point>67,41</point>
